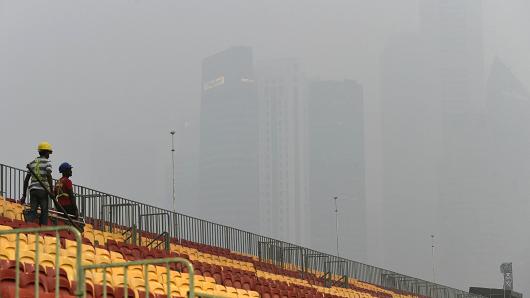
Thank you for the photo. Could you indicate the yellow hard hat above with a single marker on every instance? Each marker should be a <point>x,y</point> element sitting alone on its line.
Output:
<point>45,146</point>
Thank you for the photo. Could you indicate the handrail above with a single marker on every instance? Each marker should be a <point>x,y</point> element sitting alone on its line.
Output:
<point>145,263</point>
<point>143,216</point>
<point>79,281</point>
<point>131,229</point>
<point>165,241</point>
<point>184,227</point>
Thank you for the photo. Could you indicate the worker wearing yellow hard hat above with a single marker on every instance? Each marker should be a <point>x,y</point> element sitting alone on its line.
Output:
<point>40,187</point>
<point>45,146</point>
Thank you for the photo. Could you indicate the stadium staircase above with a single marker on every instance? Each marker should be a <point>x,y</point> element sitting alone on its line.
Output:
<point>147,258</point>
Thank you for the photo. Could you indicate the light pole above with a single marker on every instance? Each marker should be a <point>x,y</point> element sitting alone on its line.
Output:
<point>173,166</point>
<point>336,223</point>
<point>432,256</point>
<point>337,216</point>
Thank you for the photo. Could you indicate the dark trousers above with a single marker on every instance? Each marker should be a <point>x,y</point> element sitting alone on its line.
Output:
<point>38,197</point>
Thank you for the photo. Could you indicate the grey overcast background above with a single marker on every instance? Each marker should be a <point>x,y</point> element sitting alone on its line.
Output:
<point>105,82</point>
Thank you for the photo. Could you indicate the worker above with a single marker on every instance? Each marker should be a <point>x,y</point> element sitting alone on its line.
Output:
<point>65,191</point>
<point>40,186</point>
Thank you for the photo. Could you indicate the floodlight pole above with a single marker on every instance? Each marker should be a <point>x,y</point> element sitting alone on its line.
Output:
<point>173,166</point>
<point>337,223</point>
<point>432,255</point>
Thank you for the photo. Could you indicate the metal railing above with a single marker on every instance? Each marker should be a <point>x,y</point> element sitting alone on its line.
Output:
<point>183,227</point>
<point>144,264</point>
<point>37,255</point>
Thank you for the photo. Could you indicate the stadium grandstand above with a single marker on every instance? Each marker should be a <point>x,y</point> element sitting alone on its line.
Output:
<point>130,249</point>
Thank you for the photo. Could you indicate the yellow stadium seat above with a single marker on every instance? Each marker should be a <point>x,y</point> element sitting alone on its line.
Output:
<point>232,292</point>
<point>47,260</point>
<point>12,212</point>
<point>242,293</point>
<point>119,280</point>
<point>175,280</point>
<point>161,272</point>
<point>69,266</point>
<point>87,259</point>
<point>49,240</point>
<point>50,246</point>
<point>183,290</point>
<point>136,274</point>
<point>102,253</point>
<point>136,269</point>
<point>209,287</point>
<point>175,248</point>
<point>154,287</point>
<point>119,238</point>
<point>209,279</point>
<point>102,259</point>
<point>30,257</point>
<point>97,278</point>
<point>152,275</point>
<point>89,235</point>
<point>116,257</point>
<point>199,285</point>
<point>32,238</point>
<point>6,253</point>
<point>108,235</point>
<point>200,278</point>
<point>99,237</point>
<point>89,279</point>
<point>9,238</point>
<point>86,250</point>
<point>52,249</point>
<point>220,290</point>
<point>175,292</point>
<point>27,257</point>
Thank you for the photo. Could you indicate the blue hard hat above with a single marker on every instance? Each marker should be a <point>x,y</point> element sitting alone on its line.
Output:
<point>64,167</point>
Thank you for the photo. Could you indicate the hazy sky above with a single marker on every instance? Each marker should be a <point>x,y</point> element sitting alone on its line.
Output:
<point>105,81</point>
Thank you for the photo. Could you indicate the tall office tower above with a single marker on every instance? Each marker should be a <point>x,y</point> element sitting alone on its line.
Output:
<point>452,31</point>
<point>411,147</point>
<point>228,180</point>
<point>504,208</point>
<point>282,150</point>
<point>336,167</point>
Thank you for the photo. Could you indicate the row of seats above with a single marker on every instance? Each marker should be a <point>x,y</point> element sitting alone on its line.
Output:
<point>156,275</point>
<point>28,272</point>
<point>211,258</point>
<point>218,270</point>
<point>10,209</point>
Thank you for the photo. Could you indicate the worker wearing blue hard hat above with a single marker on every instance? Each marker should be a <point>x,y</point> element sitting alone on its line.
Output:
<point>65,191</point>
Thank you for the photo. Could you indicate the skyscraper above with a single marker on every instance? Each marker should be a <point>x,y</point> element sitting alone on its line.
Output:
<point>504,207</point>
<point>411,147</point>
<point>433,101</point>
<point>228,180</point>
<point>282,150</point>
<point>452,31</point>
<point>336,167</point>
